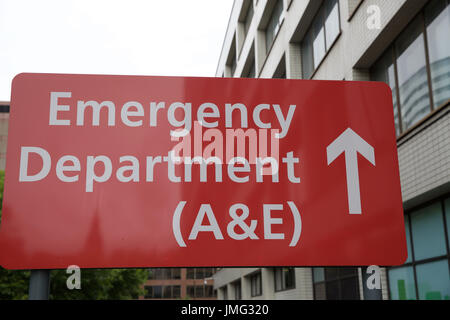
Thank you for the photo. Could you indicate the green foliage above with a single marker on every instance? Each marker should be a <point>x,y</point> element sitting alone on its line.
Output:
<point>100,284</point>
<point>95,283</point>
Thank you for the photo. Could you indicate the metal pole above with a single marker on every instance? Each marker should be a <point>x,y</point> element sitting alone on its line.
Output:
<point>370,294</point>
<point>39,288</point>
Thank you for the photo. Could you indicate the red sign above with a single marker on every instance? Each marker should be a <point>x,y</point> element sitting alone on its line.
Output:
<point>130,171</point>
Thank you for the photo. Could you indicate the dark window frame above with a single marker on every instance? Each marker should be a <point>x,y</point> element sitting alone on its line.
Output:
<point>271,16</point>
<point>283,283</point>
<point>414,263</point>
<point>338,279</point>
<point>395,56</point>
<point>257,279</point>
<point>164,273</point>
<point>149,291</point>
<point>321,10</point>
<point>237,286</point>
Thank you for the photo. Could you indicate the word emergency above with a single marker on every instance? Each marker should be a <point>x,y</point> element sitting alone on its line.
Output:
<point>100,168</point>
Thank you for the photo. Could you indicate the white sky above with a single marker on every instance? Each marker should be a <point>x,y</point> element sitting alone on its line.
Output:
<point>135,37</point>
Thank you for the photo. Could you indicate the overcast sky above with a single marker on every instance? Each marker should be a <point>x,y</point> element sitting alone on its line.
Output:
<point>135,37</point>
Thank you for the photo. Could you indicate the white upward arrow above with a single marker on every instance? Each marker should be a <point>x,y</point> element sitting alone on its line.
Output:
<point>351,143</point>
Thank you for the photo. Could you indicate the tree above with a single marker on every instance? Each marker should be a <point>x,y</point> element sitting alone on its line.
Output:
<point>95,283</point>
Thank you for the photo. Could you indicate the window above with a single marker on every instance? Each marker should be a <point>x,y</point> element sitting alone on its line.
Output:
<point>280,71</point>
<point>248,17</point>
<point>336,283</point>
<point>208,272</point>
<point>232,59</point>
<point>237,290</point>
<point>284,279</point>
<point>4,108</point>
<point>256,284</point>
<point>322,34</point>
<point>417,66</point>
<point>412,74</point>
<point>209,291</point>
<point>164,273</point>
<point>249,70</point>
<point>162,292</point>
<point>437,21</point>
<point>225,293</point>
<point>425,274</point>
<point>190,274</point>
<point>199,273</point>
<point>200,291</point>
<point>252,71</point>
<point>384,71</point>
<point>274,24</point>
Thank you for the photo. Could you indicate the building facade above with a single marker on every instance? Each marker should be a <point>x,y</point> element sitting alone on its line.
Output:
<point>180,283</point>
<point>403,43</point>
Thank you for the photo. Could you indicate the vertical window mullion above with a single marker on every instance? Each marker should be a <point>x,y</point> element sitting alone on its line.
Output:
<point>413,258</point>
<point>445,232</point>
<point>324,12</point>
<point>397,90</point>
<point>427,60</point>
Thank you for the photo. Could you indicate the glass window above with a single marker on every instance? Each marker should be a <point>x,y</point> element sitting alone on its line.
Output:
<point>274,24</point>
<point>428,232</point>
<point>248,17</point>
<point>319,291</point>
<point>332,290</point>
<point>322,33</point>
<point>176,292</point>
<point>408,240</point>
<point>209,291</point>
<point>412,74</point>
<point>233,62</point>
<point>437,19</point>
<point>237,290</point>
<point>318,42</point>
<point>425,274</point>
<point>199,273</point>
<point>319,274</point>
<point>256,285</point>
<point>331,22</point>
<point>278,280</point>
<point>167,292</point>
<point>384,71</point>
<point>199,291</point>
<point>208,272</point>
<point>157,292</point>
<point>433,280</point>
<point>158,273</point>
<point>349,288</point>
<point>401,284</point>
<point>190,290</point>
<point>447,218</point>
<point>336,283</point>
<point>251,72</point>
<point>307,56</point>
<point>148,292</point>
<point>190,273</point>
<point>176,273</point>
<point>284,278</point>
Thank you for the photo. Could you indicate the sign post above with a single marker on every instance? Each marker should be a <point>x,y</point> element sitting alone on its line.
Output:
<point>39,288</point>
